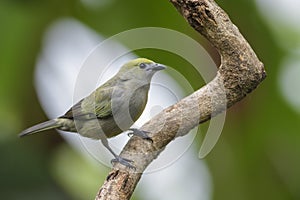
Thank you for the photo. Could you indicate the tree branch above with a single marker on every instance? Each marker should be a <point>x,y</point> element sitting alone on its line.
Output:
<point>240,73</point>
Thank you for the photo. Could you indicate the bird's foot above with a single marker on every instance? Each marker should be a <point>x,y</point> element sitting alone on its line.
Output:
<point>123,161</point>
<point>139,133</point>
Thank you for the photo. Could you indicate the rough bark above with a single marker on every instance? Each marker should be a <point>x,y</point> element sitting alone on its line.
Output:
<point>240,72</point>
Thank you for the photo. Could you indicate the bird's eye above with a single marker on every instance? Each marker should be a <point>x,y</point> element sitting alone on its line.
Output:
<point>143,65</point>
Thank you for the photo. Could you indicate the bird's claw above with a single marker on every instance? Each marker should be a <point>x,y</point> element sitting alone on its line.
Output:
<point>140,133</point>
<point>123,161</point>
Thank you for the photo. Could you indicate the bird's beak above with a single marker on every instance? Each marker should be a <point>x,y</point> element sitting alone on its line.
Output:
<point>158,67</point>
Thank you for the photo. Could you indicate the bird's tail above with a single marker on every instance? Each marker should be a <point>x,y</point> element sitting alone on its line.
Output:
<point>51,124</point>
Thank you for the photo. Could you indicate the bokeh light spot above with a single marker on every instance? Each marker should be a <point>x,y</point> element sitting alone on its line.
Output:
<point>289,81</point>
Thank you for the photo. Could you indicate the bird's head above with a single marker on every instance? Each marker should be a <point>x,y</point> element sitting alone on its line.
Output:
<point>140,68</point>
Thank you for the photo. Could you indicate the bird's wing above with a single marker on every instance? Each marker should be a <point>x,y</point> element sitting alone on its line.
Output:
<point>103,104</point>
<point>96,105</point>
<point>74,111</point>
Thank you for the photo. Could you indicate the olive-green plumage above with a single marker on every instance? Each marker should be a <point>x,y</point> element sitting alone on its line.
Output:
<point>110,109</point>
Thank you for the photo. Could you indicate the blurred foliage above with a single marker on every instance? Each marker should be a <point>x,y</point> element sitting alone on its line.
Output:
<point>257,157</point>
<point>88,176</point>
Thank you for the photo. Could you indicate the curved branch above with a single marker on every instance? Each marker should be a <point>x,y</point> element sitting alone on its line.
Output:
<point>240,73</point>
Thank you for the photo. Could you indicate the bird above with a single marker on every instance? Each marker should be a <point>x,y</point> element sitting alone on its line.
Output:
<point>111,109</point>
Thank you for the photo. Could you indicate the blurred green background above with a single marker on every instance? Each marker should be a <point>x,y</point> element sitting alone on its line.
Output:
<point>257,156</point>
